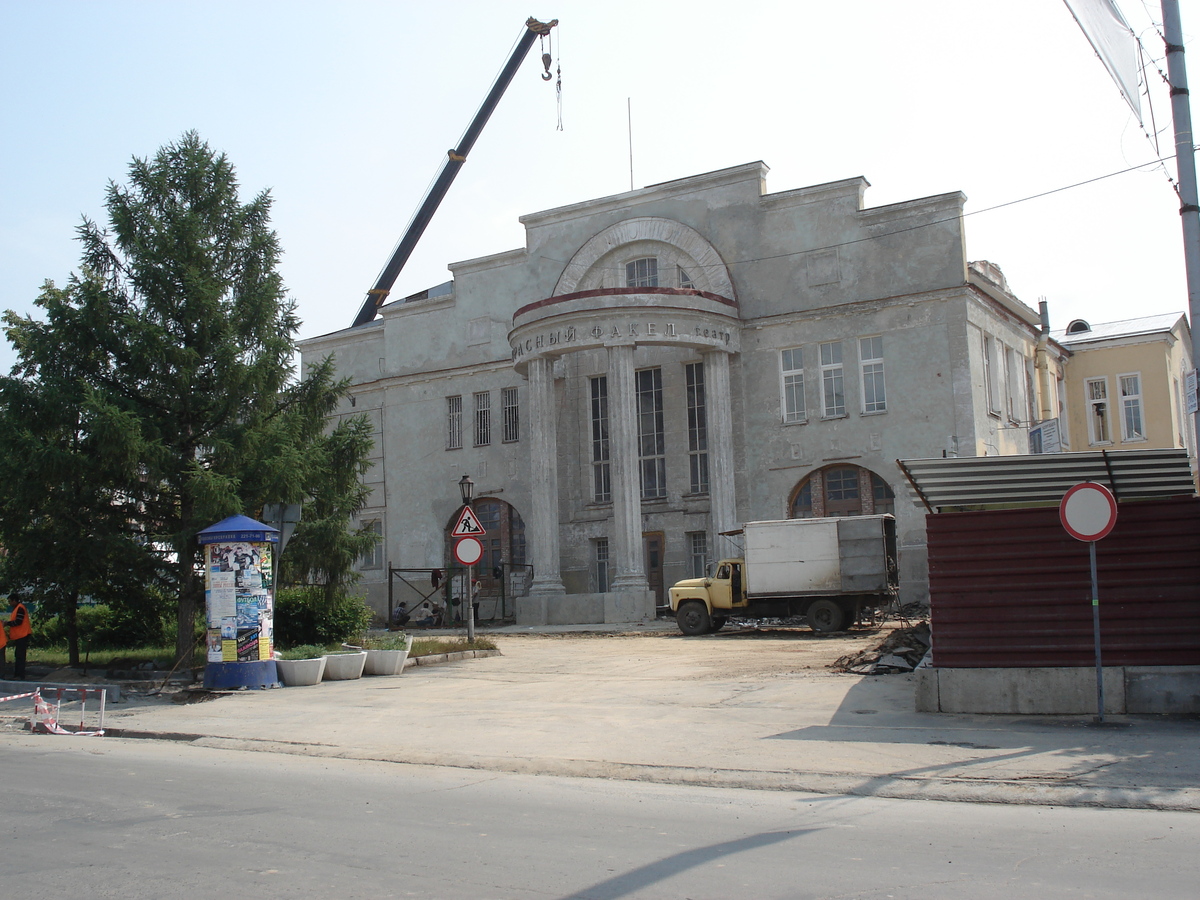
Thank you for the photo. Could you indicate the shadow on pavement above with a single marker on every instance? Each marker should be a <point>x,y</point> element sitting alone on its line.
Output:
<point>638,879</point>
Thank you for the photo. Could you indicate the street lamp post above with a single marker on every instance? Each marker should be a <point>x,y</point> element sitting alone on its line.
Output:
<point>466,488</point>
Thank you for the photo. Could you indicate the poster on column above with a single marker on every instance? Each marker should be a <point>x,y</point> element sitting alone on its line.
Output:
<point>222,598</point>
<point>214,646</point>
<point>238,598</point>
<point>247,644</point>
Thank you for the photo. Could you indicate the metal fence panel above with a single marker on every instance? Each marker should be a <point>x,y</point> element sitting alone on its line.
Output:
<point>1011,588</point>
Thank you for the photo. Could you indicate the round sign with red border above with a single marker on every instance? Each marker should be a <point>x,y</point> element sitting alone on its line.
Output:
<point>1088,511</point>
<point>468,550</point>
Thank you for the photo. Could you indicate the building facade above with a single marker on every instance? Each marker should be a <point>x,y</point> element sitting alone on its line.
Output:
<point>1126,383</point>
<point>656,367</point>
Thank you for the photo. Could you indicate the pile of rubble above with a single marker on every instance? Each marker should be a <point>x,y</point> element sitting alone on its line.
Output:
<point>902,651</point>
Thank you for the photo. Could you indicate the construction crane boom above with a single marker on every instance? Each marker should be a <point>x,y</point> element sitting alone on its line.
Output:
<point>454,161</point>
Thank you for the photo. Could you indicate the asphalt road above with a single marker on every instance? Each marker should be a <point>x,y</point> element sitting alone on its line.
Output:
<point>148,819</point>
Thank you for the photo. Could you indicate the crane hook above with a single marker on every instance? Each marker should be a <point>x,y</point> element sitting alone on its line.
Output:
<point>546,76</point>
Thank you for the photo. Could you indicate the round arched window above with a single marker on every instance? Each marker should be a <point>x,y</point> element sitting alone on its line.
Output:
<point>842,491</point>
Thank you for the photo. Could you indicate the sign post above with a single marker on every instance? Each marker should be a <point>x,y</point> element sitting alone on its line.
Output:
<point>468,550</point>
<point>1088,512</point>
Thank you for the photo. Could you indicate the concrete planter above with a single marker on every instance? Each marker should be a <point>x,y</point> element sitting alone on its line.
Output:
<point>299,672</point>
<point>345,666</point>
<point>386,662</point>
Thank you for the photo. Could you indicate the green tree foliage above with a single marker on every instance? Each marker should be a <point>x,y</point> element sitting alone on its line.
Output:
<point>66,526</point>
<point>305,615</point>
<point>180,338</point>
<point>321,552</point>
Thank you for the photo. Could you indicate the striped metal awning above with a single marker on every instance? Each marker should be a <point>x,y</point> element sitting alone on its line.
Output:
<point>1042,478</point>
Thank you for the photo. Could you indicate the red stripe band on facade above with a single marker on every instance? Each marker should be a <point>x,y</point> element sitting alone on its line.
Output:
<point>610,292</point>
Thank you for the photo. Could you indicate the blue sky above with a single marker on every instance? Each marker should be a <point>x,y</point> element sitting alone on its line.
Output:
<point>344,112</point>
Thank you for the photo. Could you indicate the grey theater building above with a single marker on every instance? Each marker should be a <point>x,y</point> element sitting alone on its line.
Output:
<point>656,367</point>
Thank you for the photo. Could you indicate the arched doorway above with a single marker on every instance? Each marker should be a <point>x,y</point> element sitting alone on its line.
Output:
<point>841,490</point>
<point>504,541</point>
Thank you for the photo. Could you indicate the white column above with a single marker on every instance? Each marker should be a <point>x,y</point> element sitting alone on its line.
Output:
<point>626,485</point>
<point>721,491</point>
<point>543,463</point>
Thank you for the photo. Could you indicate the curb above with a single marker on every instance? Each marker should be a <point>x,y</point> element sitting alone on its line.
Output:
<point>898,787</point>
<point>434,659</point>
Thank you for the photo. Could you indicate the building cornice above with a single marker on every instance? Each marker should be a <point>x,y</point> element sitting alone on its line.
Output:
<point>755,171</point>
<point>1005,300</point>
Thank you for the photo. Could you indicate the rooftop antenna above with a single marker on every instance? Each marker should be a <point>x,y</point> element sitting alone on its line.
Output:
<point>629,118</point>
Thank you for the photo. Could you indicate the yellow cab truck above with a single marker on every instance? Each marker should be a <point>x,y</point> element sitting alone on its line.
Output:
<point>826,570</point>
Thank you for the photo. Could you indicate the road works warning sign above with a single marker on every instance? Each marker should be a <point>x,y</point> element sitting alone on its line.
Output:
<point>468,525</point>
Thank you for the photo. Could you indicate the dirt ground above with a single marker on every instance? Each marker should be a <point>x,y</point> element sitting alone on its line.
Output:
<point>731,653</point>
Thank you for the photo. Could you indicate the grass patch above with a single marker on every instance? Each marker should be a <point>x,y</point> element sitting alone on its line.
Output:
<point>431,646</point>
<point>162,657</point>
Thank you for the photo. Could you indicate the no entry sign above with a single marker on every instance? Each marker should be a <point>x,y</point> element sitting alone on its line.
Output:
<point>1088,511</point>
<point>468,550</point>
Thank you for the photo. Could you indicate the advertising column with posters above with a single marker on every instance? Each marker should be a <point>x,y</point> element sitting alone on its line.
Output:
<point>239,594</point>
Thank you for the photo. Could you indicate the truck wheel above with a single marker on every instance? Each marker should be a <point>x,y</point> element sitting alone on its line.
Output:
<point>693,618</point>
<point>825,616</point>
<point>718,622</point>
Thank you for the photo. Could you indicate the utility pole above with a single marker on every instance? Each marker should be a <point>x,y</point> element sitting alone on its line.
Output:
<point>1185,163</point>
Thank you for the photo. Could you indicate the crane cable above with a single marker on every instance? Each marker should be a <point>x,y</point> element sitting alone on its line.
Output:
<point>547,58</point>
<point>558,91</point>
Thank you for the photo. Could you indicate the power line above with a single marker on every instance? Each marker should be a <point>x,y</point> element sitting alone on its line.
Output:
<point>875,237</point>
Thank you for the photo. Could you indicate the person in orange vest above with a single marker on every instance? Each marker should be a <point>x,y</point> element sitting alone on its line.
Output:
<point>19,629</point>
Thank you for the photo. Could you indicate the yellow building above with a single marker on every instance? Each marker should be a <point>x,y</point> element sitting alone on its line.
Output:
<point>1124,385</point>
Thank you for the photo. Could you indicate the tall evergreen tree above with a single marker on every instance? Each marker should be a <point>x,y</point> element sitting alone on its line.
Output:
<point>185,339</point>
<point>67,529</point>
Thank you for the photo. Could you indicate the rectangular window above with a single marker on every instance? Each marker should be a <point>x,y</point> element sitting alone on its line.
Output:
<point>651,434</point>
<point>791,365</point>
<point>1097,397</point>
<point>870,356</point>
<point>990,373</point>
<point>1064,421</point>
<point>454,423</point>
<point>373,558</point>
<point>697,554</point>
<point>600,564</point>
<point>642,272</point>
<point>1131,408</point>
<point>483,418</point>
<point>833,390</point>
<point>512,415</point>
<point>601,467</point>
<point>1014,381</point>
<point>697,428</point>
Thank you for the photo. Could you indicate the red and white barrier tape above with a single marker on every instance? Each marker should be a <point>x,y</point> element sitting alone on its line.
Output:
<point>32,693</point>
<point>45,718</point>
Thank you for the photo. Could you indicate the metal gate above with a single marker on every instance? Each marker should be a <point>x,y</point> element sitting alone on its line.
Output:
<point>444,589</point>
